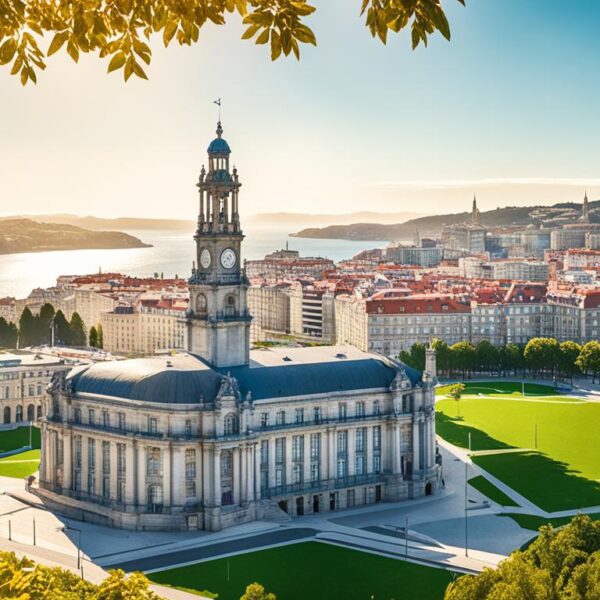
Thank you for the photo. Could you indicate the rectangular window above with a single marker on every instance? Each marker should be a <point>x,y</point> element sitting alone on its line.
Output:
<point>154,463</point>
<point>30,390</point>
<point>298,473</point>
<point>106,487</point>
<point>280,419</point>
<point>298,448</point>
<point>105,457</point>
<point>377,437</point>
<point>188,428</point>
<point>315,446</point>
<point>264,480</point>
<point>264,419</point>
<point>359,465</point>
<point>264,452</point>
<point>280,451</point>
<point>190,488</point>
<point>377,463</point>
<point>299,415</point>
<point>360,409</point>
<point>77,452</point>
<point>91,453</point>
<point>361,435</point>
<point>91,416</point>
<point>375,407</point>
<point>190,464</point>
<point>105,418</point>
<point>152,425</point>
<point>39,389</point>
<point>341,468</point>
<point>342,411</point>
<point>317,414</point>
<point>121,460</point>
<point>342,442</point>
<point>279,478</point>
<point>315,472</point>
<point>350,498</point>
<point>121,421</point>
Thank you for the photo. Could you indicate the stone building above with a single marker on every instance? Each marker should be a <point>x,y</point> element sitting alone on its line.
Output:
<point>24,380</point>
<point>223,435</point>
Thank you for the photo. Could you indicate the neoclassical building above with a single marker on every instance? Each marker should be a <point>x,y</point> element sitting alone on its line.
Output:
<point>222,434</point>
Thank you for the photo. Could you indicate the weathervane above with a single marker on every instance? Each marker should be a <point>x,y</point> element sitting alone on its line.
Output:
<point>218,103</point>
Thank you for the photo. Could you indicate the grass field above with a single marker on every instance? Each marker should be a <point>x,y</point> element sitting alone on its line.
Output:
<point>17,438</point>
<point>534,522</point>
<point>312,570</point>
<point>501,388</point>
<point>563,472</point>
<point>20,465</point>
<point>487,488</point>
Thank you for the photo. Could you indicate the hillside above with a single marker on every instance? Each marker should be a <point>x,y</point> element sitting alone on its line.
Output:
<point>547,216</point>
<point>25,235</point>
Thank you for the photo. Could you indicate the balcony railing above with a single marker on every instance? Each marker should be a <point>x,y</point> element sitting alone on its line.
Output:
<point>321,485</point>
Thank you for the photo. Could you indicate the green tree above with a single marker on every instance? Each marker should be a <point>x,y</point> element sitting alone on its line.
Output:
<point>62,329</point>
<point>93,337</point>
<point>463,357</point>
<point>118,30</point>
<point>569,353</point>
<point>9,334</point>
<point>255,591</point>
<point>78,334</point>
<point>45,323</point>
<point>455,392</point>
<point>486,356</point>
<point>100,336</point>
<point>442,355</point>
<point>589,359</point>
<point>561,564</point>
<point>542,354</point>
<point>28,334</point>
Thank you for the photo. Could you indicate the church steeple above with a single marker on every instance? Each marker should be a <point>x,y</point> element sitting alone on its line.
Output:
<point>585,210</point>
<point>475,212</point>
<point>218,321</point>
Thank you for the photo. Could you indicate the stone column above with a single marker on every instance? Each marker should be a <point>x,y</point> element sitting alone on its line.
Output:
<point>351,451</point>
<point>112,478</point>
<point>178,477</point>
<point>369,452</point>
<point>415,438</point>
<point>324,455</point>
<point>288,460</point>
<point>272,461</point>
<point>207,476</point>
<point>84,464</point>
<point>67,460</point>
<point>130,474</point>
<point>236,475</point>
<point>331,452</point>
<point>396,462</point>
<point>242,452</point>
<point>217,478</point>
<point>307,459</point>
<point>257,471</point>
<point>250,473</point>
<point>141,499</point>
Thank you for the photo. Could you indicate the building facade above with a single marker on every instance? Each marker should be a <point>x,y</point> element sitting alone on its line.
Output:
<point>223,435</point>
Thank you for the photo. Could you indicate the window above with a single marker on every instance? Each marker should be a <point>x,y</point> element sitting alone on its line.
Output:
<point>280,451</point>
<point>188,428</point>
<point>341,468</point>
<point>264,419</point>
<point>201,303</point>
<point>350,498</point>
<point>91,453</point>
<point>317,414</point>
<point>264,453</point>
<point>230,424</point>
<point>190,488</point>
<point>297,473</point>
<point>39,389</point>
<point>359,465</point>
<point>377,464</point>
<point>121,421</point>
<point>76,415</point>
<point>280,419</point>
<point>315,446</point>
<point>152,425</point>
<point>377,437</point>
<point>375,407</point>
<point>30,390</point>
<point>360,409</point>
<point>315,472</point>
<point>342,411</point>
<point>154,466</point>
<point>299,415</point>
<point>91,416</point>
<point>106,457</point>
<point>121,464</point>
<point>279,478</point>
<point>342,442</point>
<point>361,434</point>
<point>105,419</point>
<point>77,452</point>
<point>155,498</point>
<point>298,448</point>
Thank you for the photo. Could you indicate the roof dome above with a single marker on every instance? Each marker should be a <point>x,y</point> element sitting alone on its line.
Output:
<point>219,145</point>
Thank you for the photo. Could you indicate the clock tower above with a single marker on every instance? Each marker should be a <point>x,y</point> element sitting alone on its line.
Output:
<point>218,322</point>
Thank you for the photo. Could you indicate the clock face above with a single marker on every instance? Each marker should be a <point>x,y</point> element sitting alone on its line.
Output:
<point>228,258</point>
<point>205,258</point>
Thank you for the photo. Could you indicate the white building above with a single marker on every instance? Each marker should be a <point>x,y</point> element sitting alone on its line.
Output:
<point>224,435</point>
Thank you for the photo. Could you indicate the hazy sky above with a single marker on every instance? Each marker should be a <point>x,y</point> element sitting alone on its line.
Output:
<point>508,110</point>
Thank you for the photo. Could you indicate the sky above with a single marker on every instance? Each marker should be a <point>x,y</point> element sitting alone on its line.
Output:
<point>506,110</point>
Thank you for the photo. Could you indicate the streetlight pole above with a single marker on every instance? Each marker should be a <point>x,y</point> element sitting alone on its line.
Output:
<point>466,518</point>
<point>406,536</point>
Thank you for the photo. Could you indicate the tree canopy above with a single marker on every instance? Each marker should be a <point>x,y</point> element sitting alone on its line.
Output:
<point>561,564</point>
<point>119,30</point>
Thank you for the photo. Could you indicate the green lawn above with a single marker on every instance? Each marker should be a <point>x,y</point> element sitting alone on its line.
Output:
<point>17,438</point>
<point>312,570</point>
<point>563,473</point>
<point>20,465</point>
<point>504,388</point>
<point>487,488</point>
<point>534,522</point>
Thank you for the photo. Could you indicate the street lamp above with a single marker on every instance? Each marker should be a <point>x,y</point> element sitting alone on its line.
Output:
<point>69,528</point>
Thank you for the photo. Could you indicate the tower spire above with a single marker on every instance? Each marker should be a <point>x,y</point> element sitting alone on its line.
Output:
<point>585,209</point>
<point>475,212</point>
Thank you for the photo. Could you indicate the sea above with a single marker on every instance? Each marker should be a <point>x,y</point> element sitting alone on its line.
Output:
<point>171,255</point>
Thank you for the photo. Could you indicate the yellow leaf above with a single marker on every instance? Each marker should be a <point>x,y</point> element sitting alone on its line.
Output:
<point>116,62</point>
<point>57,42</point>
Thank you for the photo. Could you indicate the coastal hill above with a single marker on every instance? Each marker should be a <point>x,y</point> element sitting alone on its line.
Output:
<point>25,235</point>
<point>546,216</point>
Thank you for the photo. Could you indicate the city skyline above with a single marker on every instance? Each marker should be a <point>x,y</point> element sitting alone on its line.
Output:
<point>328,134</point>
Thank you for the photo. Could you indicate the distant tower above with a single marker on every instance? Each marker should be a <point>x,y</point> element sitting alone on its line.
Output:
<point>430,360</point>
<point>417,239</point>
<point>475,212</point>
<point>585,210</point>
<point>218,322</point>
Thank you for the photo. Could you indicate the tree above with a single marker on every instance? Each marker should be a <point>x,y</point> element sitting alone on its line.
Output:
<point>463,356</point>
<point>255,591</point>
<point>486,356</point>
<point>9,334</point>
<point>542,354</point>
<point>442,355</point>
<point>116,29</point>
<point>100,336</point>
<point>27,329</point>
<point>589,359</point>
<point>93,337</point>
<point>455,392</point>
<point>45,323</point>
<point>561,564</point>
<point>62,329</point>
<point>569,353</point>
<point>77,326</point>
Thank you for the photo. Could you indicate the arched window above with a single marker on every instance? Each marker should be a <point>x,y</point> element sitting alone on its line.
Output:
<point>230,424</point>
<point>201,303</point>
<point>30,412</point>
<point>155,498</point>
<point>229,307</point>
<point>39,411</point>
<point>7,414</point>
<point>19,415</point>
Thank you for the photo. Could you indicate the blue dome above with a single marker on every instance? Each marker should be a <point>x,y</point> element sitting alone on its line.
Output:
<point>219,145</point>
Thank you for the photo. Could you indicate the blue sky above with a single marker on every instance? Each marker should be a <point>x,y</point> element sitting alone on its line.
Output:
<point>507,110</point>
